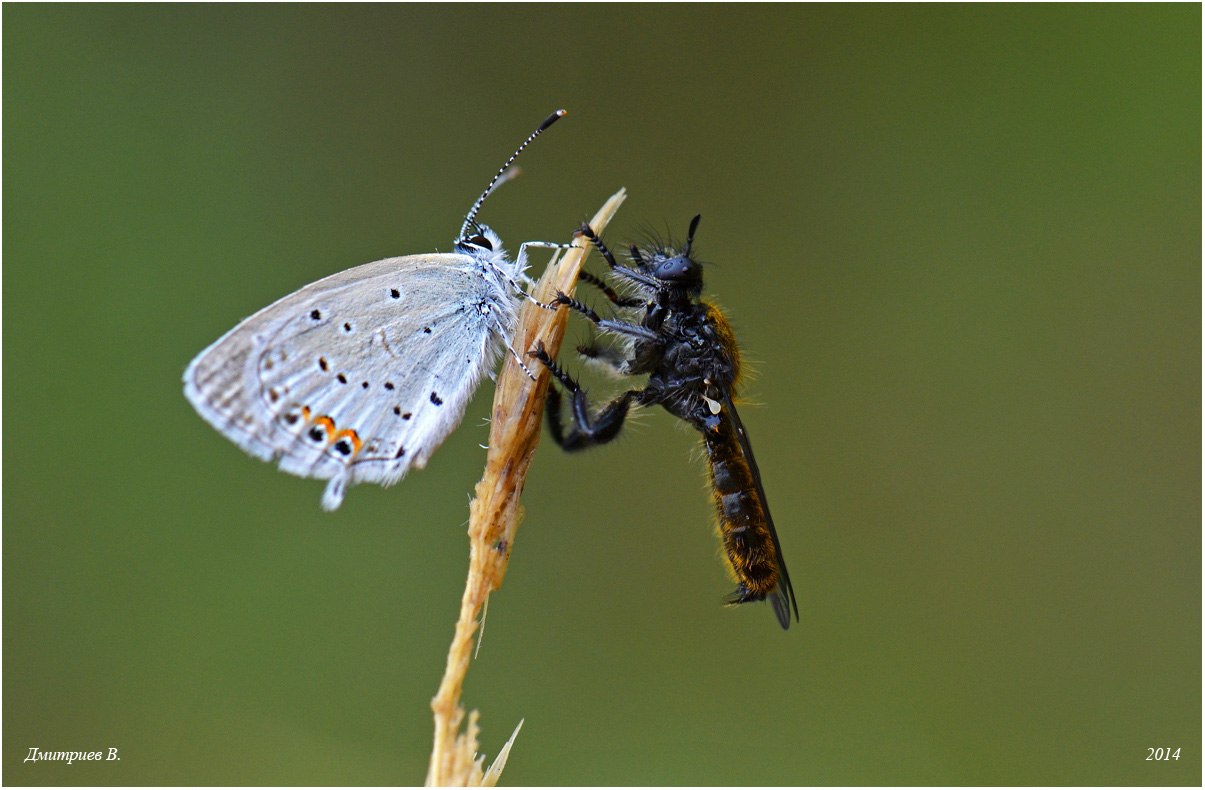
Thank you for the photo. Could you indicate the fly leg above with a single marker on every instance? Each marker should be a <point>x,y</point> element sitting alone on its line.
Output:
<point>621,328</point>
<point>585,431</point>
<point>605,357</point>
<point>643,280</point>
<point>609,292</point>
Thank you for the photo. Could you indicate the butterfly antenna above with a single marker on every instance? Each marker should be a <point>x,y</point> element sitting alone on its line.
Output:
<point>471,219</point>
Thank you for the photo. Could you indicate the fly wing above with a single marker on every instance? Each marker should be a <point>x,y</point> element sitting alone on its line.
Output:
<point>783,597</point>
<point>358,376</point>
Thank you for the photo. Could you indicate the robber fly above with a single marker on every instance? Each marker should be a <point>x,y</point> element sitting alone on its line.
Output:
<point>689,352</point>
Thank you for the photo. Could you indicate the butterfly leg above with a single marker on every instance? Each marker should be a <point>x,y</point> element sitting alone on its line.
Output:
<point>521,263</point>
<point>542,245</point>
<point>522,281</point>
<point>522,364</point>
<point>501,331</point>
<point>585,431</point>
<point>519,290</point>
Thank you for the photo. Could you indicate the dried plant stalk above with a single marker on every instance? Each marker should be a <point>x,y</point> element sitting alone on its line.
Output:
<point>495,513</point>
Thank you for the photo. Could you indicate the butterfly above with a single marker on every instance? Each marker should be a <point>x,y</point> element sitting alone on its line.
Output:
<point>360,376</point>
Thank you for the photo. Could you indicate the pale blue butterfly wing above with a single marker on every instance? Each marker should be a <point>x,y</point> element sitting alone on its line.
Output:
<point>359,376</point>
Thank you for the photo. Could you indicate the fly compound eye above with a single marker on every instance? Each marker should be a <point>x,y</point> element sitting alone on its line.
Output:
<point>480,241</point>
<point>679,270</point>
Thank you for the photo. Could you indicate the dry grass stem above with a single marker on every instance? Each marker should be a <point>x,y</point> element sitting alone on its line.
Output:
<point>495,513</point>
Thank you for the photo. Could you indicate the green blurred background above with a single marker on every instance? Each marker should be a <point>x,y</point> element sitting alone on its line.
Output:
<point>962,244</point>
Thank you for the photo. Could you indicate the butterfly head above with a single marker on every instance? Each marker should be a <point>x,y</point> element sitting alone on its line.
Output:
<point>480,242</point>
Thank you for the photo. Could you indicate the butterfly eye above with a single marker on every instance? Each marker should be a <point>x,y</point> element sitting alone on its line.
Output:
<point>481,241</point>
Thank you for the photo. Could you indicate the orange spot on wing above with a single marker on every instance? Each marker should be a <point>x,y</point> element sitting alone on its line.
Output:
<point>329,426</point>
<point>350,434</point>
